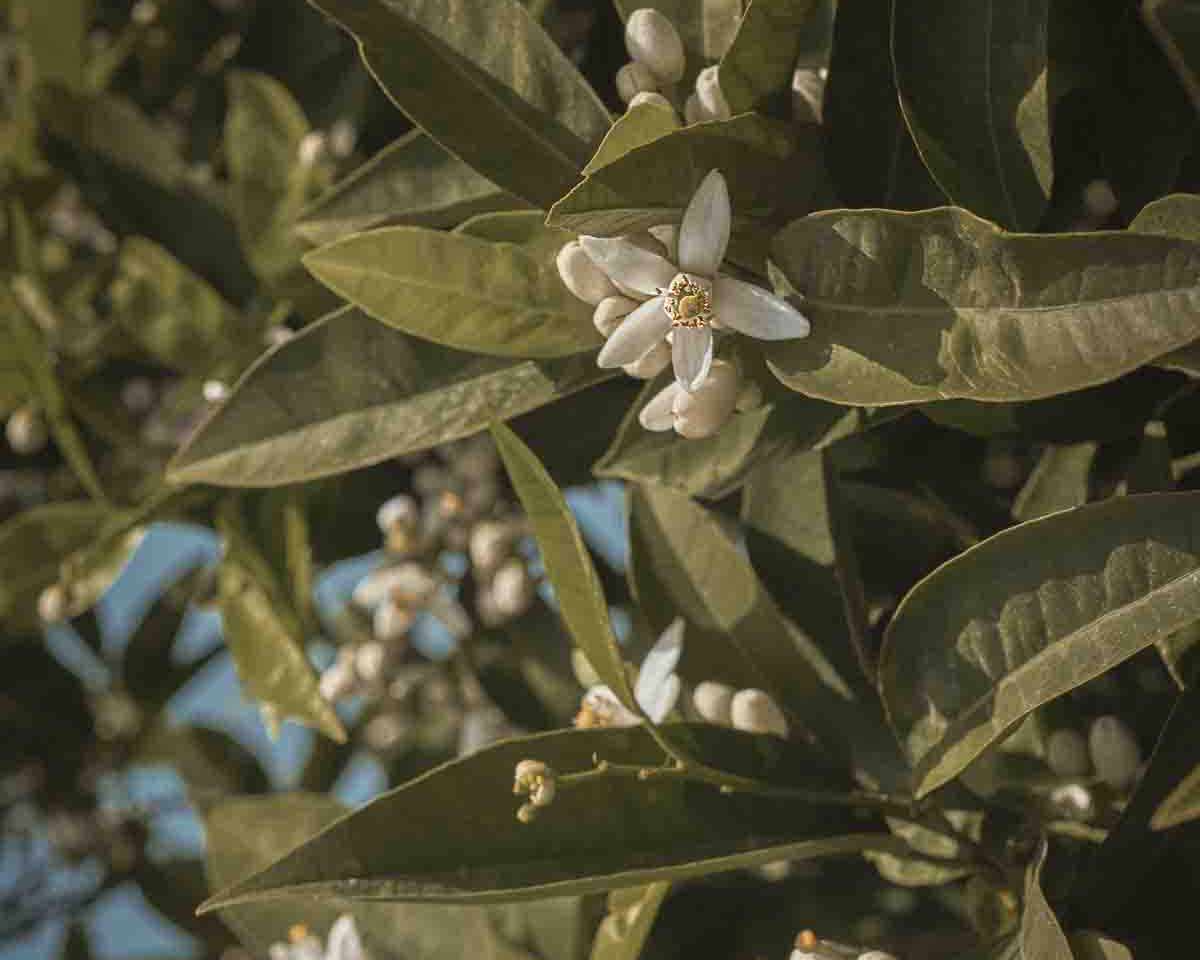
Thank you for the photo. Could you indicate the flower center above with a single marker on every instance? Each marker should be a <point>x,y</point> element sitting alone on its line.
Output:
<point>688,302</point>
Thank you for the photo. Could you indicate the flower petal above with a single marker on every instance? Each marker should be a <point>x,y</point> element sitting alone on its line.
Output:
<point>692,354</point>
<point>629,265</point>
<point>637,333</point>
<point>704,233</point>
<point>344,941</point>
<point>660,662</point>
<point>657,415</point>
<point>601,700</point>
<point>662,699</point>
<point>756,312</point>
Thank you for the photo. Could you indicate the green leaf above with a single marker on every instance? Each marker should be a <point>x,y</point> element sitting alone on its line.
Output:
<point>631,914</point>
<point>1177,215</point>
<point>1060,480</point>
<point>462,292</point>
<point>57,35</point>
<point>176,317</point>
<point>988,146</point>
<point>451,835</point>
<point>412,181</point>
<point>1089,945</point>
<point>1181,805</point>
<point>264,633</point>
<point>1029,615</point>
<point>567,561</point>
<point>269,184</point>
<point>653,183</point>
<point>762,59</point>
<point>923,306</point>
<point>1042,936</point>
<point>484,80</point>
<point>1175,25</point>
<point>33,544</point>
<point>348,392</point>
<point>872,159</point>
<point>635,128</point>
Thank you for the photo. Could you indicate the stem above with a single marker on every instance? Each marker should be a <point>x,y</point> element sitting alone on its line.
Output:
<point>1170,49</point>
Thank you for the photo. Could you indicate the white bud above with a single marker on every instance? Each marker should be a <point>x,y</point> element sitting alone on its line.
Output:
<point>276,334</point>
<point>706,409</point>
<point>808,96</point>
<point>581,276</point>
<point>52,604</point>
<point>338,680</point>
<point>489,545</point>
<point>1099,199</point>
<point>1067,753</point>
<point>370,657</point>
<point>708,90</point>
<point>390,623</point>
<point>311,149</point>
<point>398,512</point>
<point>651,363</point>
<point>408,585</point>
<point>214,391</point>
<point>1073,801</point>
<point>1115,752</point>
<point>384,731</point>
<point>651,99</point>
<point>342,138</point>
<point>714,702</point>
<point>693,110</point>
<point>610,312</point>
<point>512,588</point>
<point>26,430</point>
<point>653,40</point>
<point>635,78</point>
<point>755,712</point>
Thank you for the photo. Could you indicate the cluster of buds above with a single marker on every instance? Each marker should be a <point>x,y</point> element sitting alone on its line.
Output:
<point>807,946</point>
<point>752,710</point>
<point>344,943</point>
<point>656,59</point>
<point>1110,751</point>
<point>538,782</point>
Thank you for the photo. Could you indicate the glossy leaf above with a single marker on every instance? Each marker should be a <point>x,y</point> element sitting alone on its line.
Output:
<point>872,159</point>
<point>606,833</point>
<point>988,146</point>
<point>922,306</point>
<point>348,392</point>
<point>264,633</point>
<point>1029,615</point>
<point>631,914</point>
<point>762,59</point>
<point>485,81</point>
<point>458,291</point>
<point>412,181</point>
<point>1060,480</point>
<point>1042,936</point>
<point>568,563</point>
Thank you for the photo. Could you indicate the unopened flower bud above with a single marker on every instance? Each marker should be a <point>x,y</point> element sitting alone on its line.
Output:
<point>390,623</point>
<point>714,702</point>
<point>1099,199</point>
<point>537,781</point>
<point>408,585</point>
<point>652,39</point>
<point>1115,752</point>
<point>26,430</point>
<point>52,604</point>
<point>311,149</point>
<point>581,276</point>
<point>610,312</point>
<point>512,588</point>
<point>755,712</point>
<point>489,545</point>
<point>708,90</point>
<point>343,137</point>
<point>650,98</point>
<point>369,660</point>
<point>706,409</point>
<point>651,363</point>
<point>527,813</point>
<point>1067,753</point>
<point>635,78</point>
<point>214,391</point>
<point>1073,801</point>
<point>338,680</point>
<point>399,511</point>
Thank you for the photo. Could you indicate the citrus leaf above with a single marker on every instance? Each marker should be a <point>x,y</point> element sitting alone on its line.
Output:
<point>631,915</point>
<point>1181,805</point>
<point>938,304</point>
<point>762,58</point>
<point>1060,480</point>
<point>1029,615</point>
<point>1042,936</point>
<point>635,128</point>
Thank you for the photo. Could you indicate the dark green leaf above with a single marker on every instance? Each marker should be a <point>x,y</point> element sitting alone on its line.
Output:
<point>1042,936</point>
<point>988,145</point>
<point>923,306</point>
<point>631,915</point>
<point>1059,481</point>
<point>450,835</point>
<point>348,392</point>
<point>1181,805</point>
<point>1175,25</point>
<point>1029,615</point>
<point>762,59</point>
<point>462,292</point>
<point>485,81</point>
<point>412,181</point>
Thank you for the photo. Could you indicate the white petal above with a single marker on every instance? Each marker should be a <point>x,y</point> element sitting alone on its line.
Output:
<point>637,333</point>
<point>704,233</point>
<point>630,265</point>
<point>344,941</point>
<point>756,312</point>
<point>692,354</point>
<point>661,701</point>
<point>604,703</point>
<point>660,662</point>
<point>657,415</point>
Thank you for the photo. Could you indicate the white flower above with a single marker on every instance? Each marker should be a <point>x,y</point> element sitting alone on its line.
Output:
<point>685,299</point>
<point>652,40</point>
<point>653,362</point>
<point>697,414</point>
<point>656,690</point>
<point>1115,752</point>
<point>344,943</point>
<point>756,712</point>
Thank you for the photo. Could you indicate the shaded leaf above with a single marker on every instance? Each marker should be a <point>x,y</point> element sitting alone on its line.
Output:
<point>762,59</point>
<point>988,146</point>
<point>1175,25</point>
<point>459,291</point>
<point>922,306</point>
<point>599,834</point>
<point>631,915</point>
<point>1088,945</point>
<point>1181,805</point>
<point>1059,481</point>
<point>485,81</point>
<point>412,181</point>
<point>348,392</point>
<point>1042,936</point>
<point>1029,615</point>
